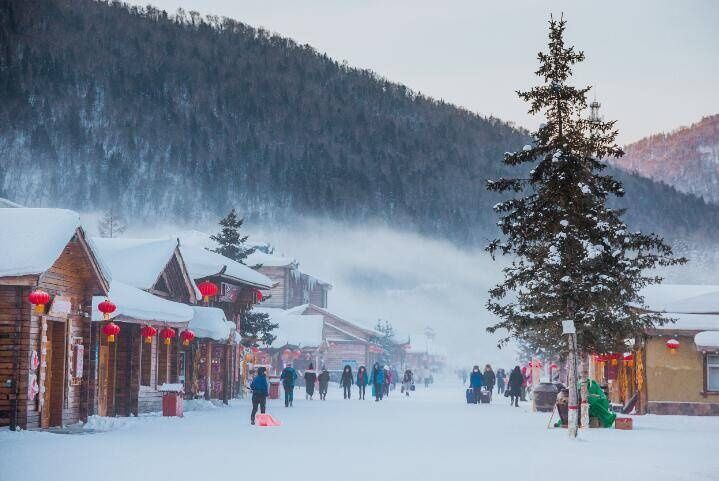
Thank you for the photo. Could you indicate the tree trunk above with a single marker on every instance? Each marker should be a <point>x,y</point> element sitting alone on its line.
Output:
<point>572,382</point>
<point>585,398</point>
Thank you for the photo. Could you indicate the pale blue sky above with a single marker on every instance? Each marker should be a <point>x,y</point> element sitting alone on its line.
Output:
<point>655,64</point>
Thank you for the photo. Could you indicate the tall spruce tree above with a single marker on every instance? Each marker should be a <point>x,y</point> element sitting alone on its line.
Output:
<point>573,257</point>
<point>230,242</point>
<point>257,325</point>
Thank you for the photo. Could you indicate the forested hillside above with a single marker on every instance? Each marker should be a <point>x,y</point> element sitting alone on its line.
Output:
<point>182,117</point>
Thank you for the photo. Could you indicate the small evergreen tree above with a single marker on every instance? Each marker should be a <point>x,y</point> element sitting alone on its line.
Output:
<point>231,243</point>
<point>111,224</point>
<point>574,258</point>
<point>257,325</point>
<point>386,338</point>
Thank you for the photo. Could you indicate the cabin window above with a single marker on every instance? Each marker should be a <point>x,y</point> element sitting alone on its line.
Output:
<point>146,364</point>
<point>712,372</point>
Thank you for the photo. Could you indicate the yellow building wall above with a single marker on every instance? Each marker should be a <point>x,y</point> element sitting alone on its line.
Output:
<point>674,375</point>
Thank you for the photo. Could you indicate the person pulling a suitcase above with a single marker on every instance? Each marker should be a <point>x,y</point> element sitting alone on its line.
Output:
<point>476,381</point>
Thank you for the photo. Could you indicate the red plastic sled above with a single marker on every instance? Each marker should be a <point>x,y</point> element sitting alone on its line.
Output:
<point>266,420</point>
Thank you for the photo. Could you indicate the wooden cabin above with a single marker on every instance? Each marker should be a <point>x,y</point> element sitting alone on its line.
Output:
<point>48,370</point>
<point>151,287</point>
<point>207,374</point>
<point>673,368</point>
<point>291,287</point>
<point>238,286</point>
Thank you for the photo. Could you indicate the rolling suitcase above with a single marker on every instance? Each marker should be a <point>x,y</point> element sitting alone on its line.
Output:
<point>485,396</point>
<point>471,398</point>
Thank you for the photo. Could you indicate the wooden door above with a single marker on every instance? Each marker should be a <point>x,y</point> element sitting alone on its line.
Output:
<point>103,381</point>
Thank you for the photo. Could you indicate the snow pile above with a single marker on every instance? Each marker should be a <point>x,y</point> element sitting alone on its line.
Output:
<point>211,323</point>
<point>689,299</point>
<point>202,263</point>
<point>31,240</point>
<point>136,305</point>
<point>136,262</point>
<point>294,327</point>
<point>269,260</point>
<point>708,340</point>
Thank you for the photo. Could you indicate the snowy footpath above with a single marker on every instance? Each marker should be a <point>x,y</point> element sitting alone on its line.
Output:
<point>434,435</point>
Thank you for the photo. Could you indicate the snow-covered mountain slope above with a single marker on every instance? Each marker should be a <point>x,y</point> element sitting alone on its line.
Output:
<point>687,159</point>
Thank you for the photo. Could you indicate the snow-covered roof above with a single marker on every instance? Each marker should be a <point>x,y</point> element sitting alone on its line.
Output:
<point>210,322</point>
<point>707,340</point>
<point>294,328</point>
<point>136,305</point>
<point>5,203</point>
<point>682,298</point>
<point>269,260</point>
<point>137,262</point>
<point>31,240</point>
<point>690,322</point>
<point>203,263</point>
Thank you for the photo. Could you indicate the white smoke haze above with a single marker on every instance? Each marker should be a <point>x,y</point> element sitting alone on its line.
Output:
<point>378,272</point>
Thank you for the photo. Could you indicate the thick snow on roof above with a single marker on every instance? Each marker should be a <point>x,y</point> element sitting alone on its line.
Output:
<point>682,298</point>
<point>137,262</point>
<point>203,263</point>
<point>210,322</point>
<point>138,305</point>
<point>295,329</point>
<point>31,240</point>
<point>691,322</point>
<point>707,340</point>
<point>269,260</point>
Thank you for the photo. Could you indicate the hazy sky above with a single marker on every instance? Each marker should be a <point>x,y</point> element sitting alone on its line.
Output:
<point>655,64</point>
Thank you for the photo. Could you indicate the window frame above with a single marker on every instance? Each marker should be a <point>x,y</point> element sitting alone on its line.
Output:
<point>706,364</point>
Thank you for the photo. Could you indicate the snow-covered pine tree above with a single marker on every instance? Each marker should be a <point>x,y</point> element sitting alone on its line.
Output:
<point>111,224</point>
<point>573,257</point>
<point>230,242</point>
<point>257,325</point>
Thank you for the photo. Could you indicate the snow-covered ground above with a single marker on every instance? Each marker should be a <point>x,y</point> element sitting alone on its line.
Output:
<point>434,435</point>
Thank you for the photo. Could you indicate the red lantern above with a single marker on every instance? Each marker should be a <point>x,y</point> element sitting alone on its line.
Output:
<point>167,334</point>
<point>553,366</point>
<point>673,344</point>
<point>148,332</point>
<point>254,349</point>
<point>258,295</point>
<point>297,354</point>
<point>111,330</point>
<point>207,289</point>
<point>286,354</point>
<point>614,357</point>
<point>39,298</point>
<point>187,336</point>
<point>628,356</point>
<point>107,308</point>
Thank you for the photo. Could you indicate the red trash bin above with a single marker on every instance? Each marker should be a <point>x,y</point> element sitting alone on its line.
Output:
<point>172,395</point>
<point>274,387</point>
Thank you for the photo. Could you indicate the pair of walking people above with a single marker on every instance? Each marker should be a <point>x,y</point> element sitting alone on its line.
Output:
<point>347,379</point>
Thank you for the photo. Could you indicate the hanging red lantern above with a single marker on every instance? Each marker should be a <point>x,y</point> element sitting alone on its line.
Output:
<point>614,357</point>
<point>167,334</point>
<point>258,295</point>
<point>147,332</point>
<point>254,349</point>
<point>628,358</point>
<point>673,344</point>
<point>187,336</point>
<point>39,298</point>
<point>207,289</point>
<point>553,366</point>
<point>107,308</point>
<point>111,330</point>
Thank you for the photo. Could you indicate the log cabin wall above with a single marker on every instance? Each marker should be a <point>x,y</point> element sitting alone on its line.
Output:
<point>279,294</point>
<point>337,356</point>
<point>15,335</point>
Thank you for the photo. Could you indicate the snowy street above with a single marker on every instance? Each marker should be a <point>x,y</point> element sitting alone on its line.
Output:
<point>433,435</point>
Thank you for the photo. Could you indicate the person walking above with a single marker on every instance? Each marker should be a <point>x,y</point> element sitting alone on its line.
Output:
<point>387,380</point>
<point>362,381</point>
<point>377,382</point>
<point>310,379</point>
<point>324,382</point>
<point>525,381</point>
<point>476,381</point>
<point>489,379</point>
<point>514,386</point>
<point>260,390</point>
<point>346,381</point>
<point>407,382</point>
<point>289,378</point>
<point>501,378</point>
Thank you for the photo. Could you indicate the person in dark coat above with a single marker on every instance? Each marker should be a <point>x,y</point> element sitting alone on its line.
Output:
<point>514,386</point>
<point>377,379</point>
<point>346,381</point>
<point>407,382</point>
<point>489,379</point>
<point>476,381</point>
<point>288,378</point>
<point>324,381</point>
<point>362,381</point>
<point>501,379</point>
<point>260,389</point>
<point>310,379</point>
